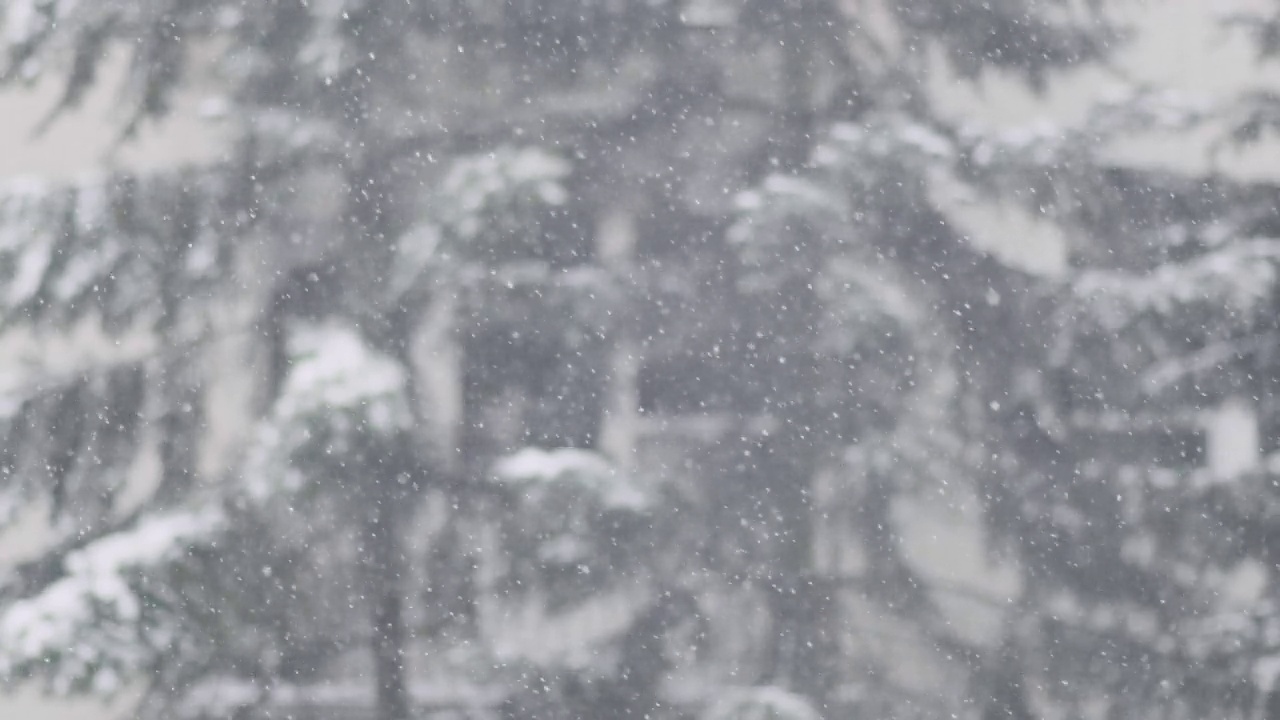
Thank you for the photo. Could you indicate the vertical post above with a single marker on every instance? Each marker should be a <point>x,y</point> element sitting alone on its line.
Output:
<point>615,248</point>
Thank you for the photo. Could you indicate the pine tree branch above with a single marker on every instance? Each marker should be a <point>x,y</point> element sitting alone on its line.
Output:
<point>30,577</point>
<point>1170,372</point>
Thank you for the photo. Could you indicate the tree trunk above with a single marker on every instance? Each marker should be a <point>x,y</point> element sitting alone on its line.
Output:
<point>370,226</point>
<point>802,649</point>
<point>796,119</point>
<point>386,611</point>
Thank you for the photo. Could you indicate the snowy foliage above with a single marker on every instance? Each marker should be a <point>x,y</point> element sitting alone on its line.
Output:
<point>1239,279</point>
<point>783,227</point>
<point>114,246</point>
<point>50,447</point>
<point>1061,170</point>
<point>334,370</point>
<point>534,471</point>
<point>573,517</point>
<point>102,622</point>
<point>763,703</point>
<point>507,185</point>
<point>887,139</point>
<point>340,398</point>
<point>476,227</point>
<point>492,206</point>
<point>488,209</point>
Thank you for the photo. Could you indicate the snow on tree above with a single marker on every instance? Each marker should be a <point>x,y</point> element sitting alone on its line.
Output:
<point>728,215</point>
<point>110,616</point>
<point>765,703</point>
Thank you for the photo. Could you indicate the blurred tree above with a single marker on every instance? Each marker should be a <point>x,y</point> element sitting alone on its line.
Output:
<point>723,211</point>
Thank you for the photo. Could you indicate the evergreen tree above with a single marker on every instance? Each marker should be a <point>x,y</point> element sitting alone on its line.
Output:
<point>1134,480</point>
<point>719,215</point>
<point>1148,428</point>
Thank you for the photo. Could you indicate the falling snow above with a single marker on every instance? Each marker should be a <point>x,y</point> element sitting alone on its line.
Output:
<point>663,359</point>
